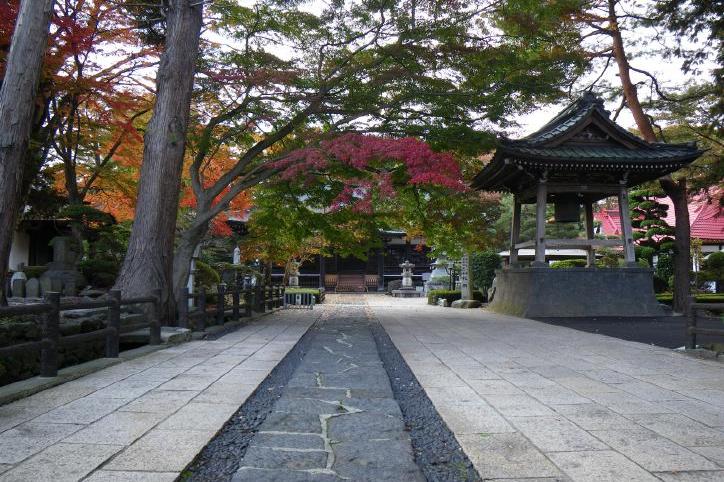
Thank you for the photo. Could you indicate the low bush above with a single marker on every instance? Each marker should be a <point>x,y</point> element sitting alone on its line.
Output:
<point>318,293</point>
<point>450,295</point>
<point>100,273</point>
<point>667,298</point>
<point>569,263</point>
<point>34,271</point>
<point>395,284</point>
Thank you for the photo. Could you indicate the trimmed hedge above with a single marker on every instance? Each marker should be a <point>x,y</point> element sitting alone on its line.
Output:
<point>569,263</point>
<point>667,298</point>
<point>450,295</point>
<point>318,293</point>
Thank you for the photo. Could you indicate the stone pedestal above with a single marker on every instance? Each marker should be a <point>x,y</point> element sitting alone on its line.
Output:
<point>62,274</point>
<point>575,292</point>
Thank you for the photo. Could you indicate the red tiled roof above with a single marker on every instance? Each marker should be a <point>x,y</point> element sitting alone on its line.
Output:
<point>706,216</point>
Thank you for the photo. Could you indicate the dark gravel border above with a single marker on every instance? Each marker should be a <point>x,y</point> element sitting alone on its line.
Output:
<point>437,451</point>
<point>219,460</point>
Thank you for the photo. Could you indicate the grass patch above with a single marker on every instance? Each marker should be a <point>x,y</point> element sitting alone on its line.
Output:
<point>667,298</point>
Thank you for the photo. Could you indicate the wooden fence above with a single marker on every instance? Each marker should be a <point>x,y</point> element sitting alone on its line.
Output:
<point>51,339</point>
<point>691,326</point>
<point>258,299</point>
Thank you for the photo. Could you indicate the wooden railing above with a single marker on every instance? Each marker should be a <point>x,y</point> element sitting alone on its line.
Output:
<point>692,320</point>
<point>256,299</point>
<point>51,339</point>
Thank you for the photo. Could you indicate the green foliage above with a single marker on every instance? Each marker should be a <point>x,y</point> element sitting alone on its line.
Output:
<point>206,276</point>
<point>665,267</point>
<point>608,259</point>
<point>450,295</point>
<point>100,273</point>
<point>712,269</point>
<point>569,263</point>
<point>34,271</point>
<point>483,266</point>
<point>667,298</point>
<point>318,293</point>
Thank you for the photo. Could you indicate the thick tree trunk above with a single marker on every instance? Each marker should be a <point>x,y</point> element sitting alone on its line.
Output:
<point>17,106</point>
<point>185,248</point>
<point>149,260</point>
<point>675,190</point>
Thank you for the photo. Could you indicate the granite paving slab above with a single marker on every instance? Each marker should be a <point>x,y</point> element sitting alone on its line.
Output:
<point>146,419</point>
<point>580,406</point>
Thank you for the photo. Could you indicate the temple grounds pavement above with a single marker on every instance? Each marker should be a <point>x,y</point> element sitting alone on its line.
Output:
<point>526,400</point>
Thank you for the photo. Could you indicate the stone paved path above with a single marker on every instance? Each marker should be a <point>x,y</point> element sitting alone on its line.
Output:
<point>531,400</point>
<point>337,418</point>
<point>145,419</point>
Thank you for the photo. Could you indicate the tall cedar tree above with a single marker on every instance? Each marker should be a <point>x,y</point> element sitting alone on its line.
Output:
<point>149,260</point>
<point>17,105</point>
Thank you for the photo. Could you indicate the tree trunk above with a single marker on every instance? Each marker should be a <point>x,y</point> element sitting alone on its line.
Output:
<point>185,248</point>
<point>17,106</point>
<point>149,260</point>
<point>675,190</point>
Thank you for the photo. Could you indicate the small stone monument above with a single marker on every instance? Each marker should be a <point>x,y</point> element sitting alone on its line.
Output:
<point>236,258</point>
<point>17,282</point>
<point>62,274</point>
<point>408,287</point>
<point>32,288</point>
<point>294,273</point>
<point>407,275</point>
<point>466,289</point>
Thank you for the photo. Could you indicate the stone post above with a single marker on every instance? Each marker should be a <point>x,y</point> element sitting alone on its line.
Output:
<point>465,278</point>
<point>591,255</point>
<point>50,336</point>
<point>626,229</point>
<point>114,322</point>
<point>514,233</point>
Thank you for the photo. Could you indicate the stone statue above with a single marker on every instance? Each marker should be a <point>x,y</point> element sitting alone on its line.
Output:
<point>62,274</point>
<point>407,275</point>
<point>294,273</point>
<point>237,256</point>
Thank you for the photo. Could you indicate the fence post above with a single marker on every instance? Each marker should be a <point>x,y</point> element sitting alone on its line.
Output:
<point>114,323</point>
<point>235,301</point>
<point>51,336</point>
<point>270,297</point>
<point>691,324</point>
<point>154,325</point>
<point>259,295</point>
<point>248,300</point>
<point>183,308</point>
<point>220,303</point>
<point>201,304</point>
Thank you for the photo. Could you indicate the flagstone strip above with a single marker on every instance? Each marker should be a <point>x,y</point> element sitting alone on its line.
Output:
<point>147,418</point>
<point>530,400</point>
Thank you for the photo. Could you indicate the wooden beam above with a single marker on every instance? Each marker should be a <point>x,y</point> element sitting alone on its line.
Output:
<point>540,224</point>
<point>582,243</point>
<point>515,232</point>
<point>591,258</point>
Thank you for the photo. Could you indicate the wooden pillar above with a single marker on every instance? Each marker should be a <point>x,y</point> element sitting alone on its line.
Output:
<point>591,258</point>
<point>540,224</point>
<point>626,230</point>
<point>381,269</point>
<point>322,270</point>
<point>515,232</point>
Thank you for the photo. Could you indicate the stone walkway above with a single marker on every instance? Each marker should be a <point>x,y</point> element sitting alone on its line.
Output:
<point>145,419</point>
<point>530,400</point>
<point>337,418</point>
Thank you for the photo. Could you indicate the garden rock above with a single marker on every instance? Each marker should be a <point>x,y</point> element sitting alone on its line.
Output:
<point>465,304</point>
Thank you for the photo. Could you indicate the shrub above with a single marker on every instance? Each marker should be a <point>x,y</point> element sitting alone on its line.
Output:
<point>660,284</point>
<point>100,272</point>
<point>34,271</point>
<point>450,295</point>
<point>667,298</point>
<point>712,268</point>
<point>483,266</point>
<point>569,263</point>
<point>318,294</point>
<point>206,276</point>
